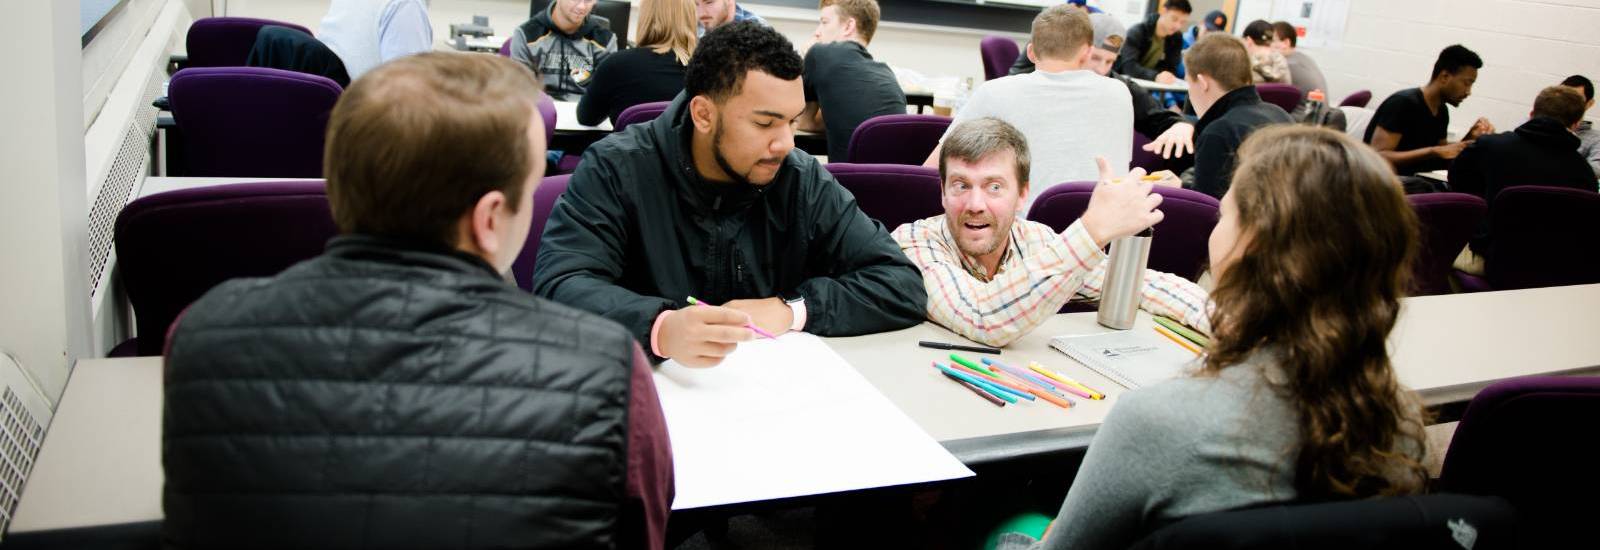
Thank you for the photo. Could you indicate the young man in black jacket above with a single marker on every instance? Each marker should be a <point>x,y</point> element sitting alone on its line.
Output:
<point>1542,151</point>
<point>1155,47</point>
<point>397,391</point>
<point>1229,108</point>
<point>712,200</point>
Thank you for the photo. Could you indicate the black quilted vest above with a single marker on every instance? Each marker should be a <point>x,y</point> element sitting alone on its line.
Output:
<point>391,396</point>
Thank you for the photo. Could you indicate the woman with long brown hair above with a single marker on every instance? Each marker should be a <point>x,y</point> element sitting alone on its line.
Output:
<point>652,71</point>
<point>1295,399</point>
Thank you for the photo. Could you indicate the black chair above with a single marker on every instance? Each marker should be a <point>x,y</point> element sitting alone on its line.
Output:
<point>1442,521</point>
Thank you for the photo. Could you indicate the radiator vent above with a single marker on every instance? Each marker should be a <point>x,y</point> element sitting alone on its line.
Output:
<point>21,432</point>
<point>127,171</point>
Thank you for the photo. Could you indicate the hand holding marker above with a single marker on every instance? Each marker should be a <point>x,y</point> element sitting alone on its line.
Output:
<point>751,326</point>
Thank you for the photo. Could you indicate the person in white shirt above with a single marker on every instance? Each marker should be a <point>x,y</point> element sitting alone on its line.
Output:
<point>1069,113</point>
<point>366,33</point>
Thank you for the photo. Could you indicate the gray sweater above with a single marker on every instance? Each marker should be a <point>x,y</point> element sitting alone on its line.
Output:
<point>1180,448</point>
<point>1176,449</point>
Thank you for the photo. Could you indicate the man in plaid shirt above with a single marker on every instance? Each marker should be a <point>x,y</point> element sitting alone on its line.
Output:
<point>992,277</point>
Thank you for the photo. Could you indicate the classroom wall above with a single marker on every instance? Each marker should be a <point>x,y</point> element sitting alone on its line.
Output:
<point>1526,45</point>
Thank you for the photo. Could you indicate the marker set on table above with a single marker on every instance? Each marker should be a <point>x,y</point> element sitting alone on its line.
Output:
<point>1004,384</point>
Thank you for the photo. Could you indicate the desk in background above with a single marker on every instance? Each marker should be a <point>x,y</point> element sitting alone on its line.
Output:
<point>100,461</point>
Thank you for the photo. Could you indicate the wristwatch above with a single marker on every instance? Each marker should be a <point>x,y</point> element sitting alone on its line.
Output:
<point>797,307</point>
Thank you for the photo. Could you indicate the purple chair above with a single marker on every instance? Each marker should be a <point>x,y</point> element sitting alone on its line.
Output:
<point>1181,239</point>
<point>226,41</point>
<point>1358,99</point>
<point>643,112</point>
<point>1448,221</point>
<point>1149,161</point>
<point>252,121</point>
<point>173,247</point>
<point>1530,440</point>
<point>893,194</point>
<point>544,201</point>
<point>1283,95</point>
<point>896,139</point>
<point>998,53</point>
<point>505,48</point>
<point>547,111</point>
<point>1539,236</point>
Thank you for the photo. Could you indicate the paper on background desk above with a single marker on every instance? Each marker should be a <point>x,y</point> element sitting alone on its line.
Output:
<point>786,418</point>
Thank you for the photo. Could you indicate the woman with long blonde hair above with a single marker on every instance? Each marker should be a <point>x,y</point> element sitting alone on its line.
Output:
<point>1295,398</point>
<point>652,71</point>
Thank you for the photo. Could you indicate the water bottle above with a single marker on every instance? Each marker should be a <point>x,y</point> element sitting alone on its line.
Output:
<point>963,91</point>
<point>1124,282</point>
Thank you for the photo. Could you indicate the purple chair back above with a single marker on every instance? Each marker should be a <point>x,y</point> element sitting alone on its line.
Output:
<point>252,121</point>
<point>173,247</point>
<point>1540,236</point>
<point>643,112</point>
<point>547,111</point>
<point>1181,239</point>
<point>1283,95</point>
<point>226,41</point>
<point>896,139</point>
<point>998,53</point>
<point>544,202</point>
<point>1149,161</point>
<point>1358,99</point>
<point>893,194</point>
<point>1447,222</point>
<point>1530,441</point>
<point>505,48</point>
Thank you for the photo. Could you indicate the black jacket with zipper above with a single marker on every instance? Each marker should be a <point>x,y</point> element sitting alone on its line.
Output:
<point>1541,151</point>
<point>1138,40</point>
<point>638,230</point>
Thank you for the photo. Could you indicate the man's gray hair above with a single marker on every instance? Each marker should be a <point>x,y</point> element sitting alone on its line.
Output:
<point>976,139</point>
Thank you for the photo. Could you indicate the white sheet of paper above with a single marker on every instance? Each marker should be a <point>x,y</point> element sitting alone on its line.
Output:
<point>786,418</point>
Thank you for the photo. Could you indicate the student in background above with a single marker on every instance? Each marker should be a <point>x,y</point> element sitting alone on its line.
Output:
<point>716,13</point>
<point>1409,129</point>
<point>1069,114</point>
<point>1229,108</point>
<point>1173,136</point>
<point>1590,149</point>
<point>652,71</point>
<point>366,33</point>
<point>1542,151</point>
<point>1266,64</point>
<point>993,277</point>
<point>844,86</point>
<point>563,45</point>
<point>1213,21</point>
<point>1303,71</point>
<point>1296,399</point>
<point>1155,47</point>
<point>1023,65</point>
<point>342,402</point>
<point>712,200</point>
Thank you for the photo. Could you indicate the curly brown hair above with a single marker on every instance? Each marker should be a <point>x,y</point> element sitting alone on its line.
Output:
<point>1327,243</point>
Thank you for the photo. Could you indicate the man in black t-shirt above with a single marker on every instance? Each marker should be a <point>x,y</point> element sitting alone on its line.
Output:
<point>1410,126</point>
<point>844,86</point>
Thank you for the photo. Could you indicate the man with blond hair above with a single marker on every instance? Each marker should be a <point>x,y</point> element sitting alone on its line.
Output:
<point>844,85</point>
<point>396,391</point>
<point>1069,113</point>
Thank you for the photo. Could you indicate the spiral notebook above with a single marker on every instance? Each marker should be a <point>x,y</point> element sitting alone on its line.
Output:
<point>1132,358</point>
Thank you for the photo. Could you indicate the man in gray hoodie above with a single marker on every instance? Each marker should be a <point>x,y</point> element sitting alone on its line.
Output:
<point>563,44</point>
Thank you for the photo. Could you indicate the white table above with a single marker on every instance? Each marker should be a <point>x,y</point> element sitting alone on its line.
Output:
<point>1176,86</point>
<point>567,119</point>
<point>1436,175</point>
<point>100,461</point>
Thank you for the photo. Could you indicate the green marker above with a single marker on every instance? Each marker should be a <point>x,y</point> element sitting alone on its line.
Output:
<point>1183,331</point>
<point>971,365</point>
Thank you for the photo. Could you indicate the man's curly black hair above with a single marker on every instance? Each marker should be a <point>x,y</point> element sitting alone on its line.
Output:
<point>728,52</point>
